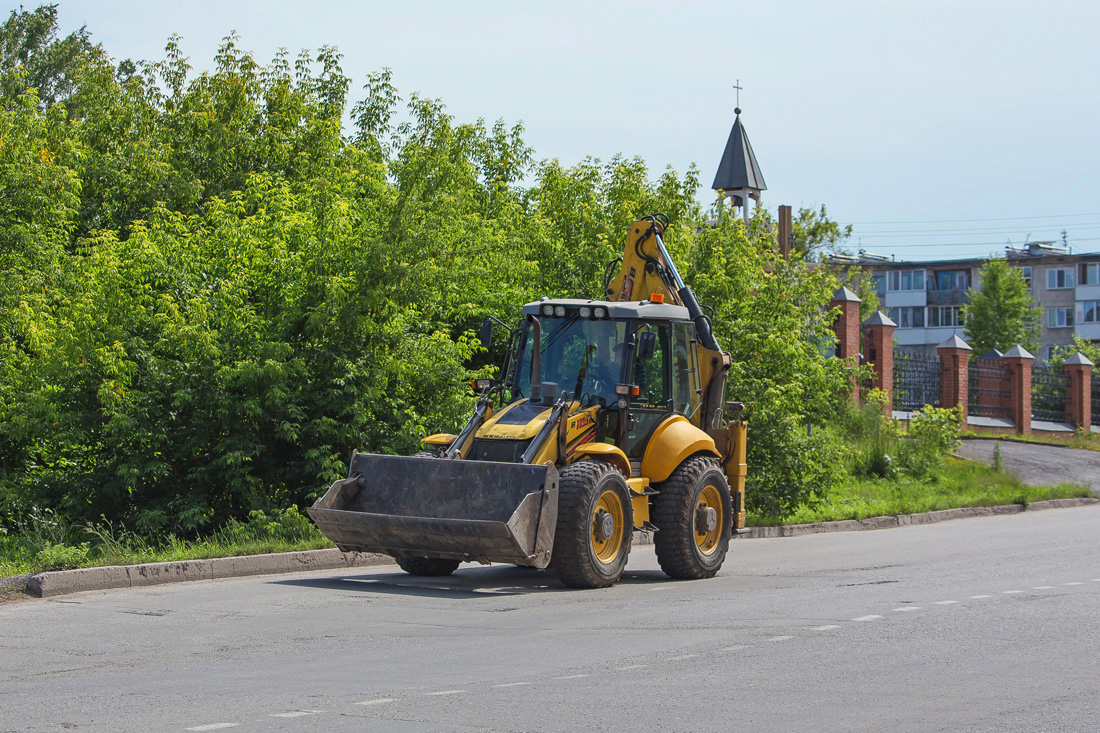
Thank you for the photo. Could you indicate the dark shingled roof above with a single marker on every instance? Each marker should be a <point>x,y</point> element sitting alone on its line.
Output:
<point>738,168</point>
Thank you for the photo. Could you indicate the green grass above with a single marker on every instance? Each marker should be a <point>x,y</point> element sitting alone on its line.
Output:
<point>103,544</point>
<point>957,483</point>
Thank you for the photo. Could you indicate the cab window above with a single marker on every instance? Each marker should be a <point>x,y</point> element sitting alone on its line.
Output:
<point>685,370</point>
<point>651,375</point>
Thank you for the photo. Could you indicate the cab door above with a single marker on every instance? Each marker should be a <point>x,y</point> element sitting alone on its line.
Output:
<point>653,403</point>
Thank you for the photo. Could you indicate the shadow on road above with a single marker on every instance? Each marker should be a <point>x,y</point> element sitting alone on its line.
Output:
<point>466,582</point>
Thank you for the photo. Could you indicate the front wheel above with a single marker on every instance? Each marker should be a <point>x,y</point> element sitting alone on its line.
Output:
<point>693,513</point>
<point>595,525</point>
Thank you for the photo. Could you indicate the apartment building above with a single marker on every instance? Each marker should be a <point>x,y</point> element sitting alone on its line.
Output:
<point>925,299</point>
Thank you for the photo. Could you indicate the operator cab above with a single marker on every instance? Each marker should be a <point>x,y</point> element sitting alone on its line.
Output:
<point>593,351</point>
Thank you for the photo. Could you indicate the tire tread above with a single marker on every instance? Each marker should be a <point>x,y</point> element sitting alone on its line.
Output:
<point>672,514</point>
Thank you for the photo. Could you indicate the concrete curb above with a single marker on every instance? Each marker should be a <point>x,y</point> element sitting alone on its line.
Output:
<point>1007,439</point>
<point>62,582</point>
<point>47,585</point>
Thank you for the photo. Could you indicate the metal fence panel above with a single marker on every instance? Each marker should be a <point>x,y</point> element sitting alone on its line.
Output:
<point>1048,393</point>
<point>988,394</point>
<point>1096,398</point>
<point>916,381</point>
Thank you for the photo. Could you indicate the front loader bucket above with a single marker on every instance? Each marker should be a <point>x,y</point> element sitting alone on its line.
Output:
<point>433,507</point>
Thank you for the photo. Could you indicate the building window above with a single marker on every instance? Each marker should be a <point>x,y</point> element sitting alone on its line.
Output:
<point>1091,311</point>
<point>1090,273</point>
<point>1059,317</point>
<point>951,280</point>
<point>879,283</point>
<point>1060,278</point>
<point>906,280</point>
<point>945,315</point>
<point>908,316</point>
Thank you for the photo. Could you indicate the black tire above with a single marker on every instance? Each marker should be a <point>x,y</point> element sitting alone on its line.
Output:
<point>429,567</point>
<point>683,551</point>
<point>587,491</point>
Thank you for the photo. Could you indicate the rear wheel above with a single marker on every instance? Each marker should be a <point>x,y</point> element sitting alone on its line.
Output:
<point>692,513</point>
<point>431,567</point>
<point>595,525</point>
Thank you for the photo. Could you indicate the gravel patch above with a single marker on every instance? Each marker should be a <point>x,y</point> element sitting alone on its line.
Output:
<point>1040,465</point>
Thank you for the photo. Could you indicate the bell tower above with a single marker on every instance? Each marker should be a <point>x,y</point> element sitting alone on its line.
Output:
<point>739,175</point>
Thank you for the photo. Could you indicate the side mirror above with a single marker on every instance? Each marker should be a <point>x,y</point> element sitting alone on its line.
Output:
<point>485,335</point>
<point>647,346</point>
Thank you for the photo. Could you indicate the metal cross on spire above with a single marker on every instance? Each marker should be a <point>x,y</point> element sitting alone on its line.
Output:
<point>737,86</point>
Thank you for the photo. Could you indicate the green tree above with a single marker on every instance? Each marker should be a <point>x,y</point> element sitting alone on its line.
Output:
<point>1089,349</point>
<point>771,315</point>
<point>29,44</point>
<point>1001,313</point>
<point>815,234</point>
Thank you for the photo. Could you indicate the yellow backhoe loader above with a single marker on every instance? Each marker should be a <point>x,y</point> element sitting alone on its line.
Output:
<point>609,417</point>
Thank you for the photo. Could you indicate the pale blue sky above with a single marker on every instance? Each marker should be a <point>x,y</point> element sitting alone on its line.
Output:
<point>929,112</point>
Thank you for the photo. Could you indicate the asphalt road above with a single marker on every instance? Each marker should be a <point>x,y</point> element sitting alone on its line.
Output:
<point>986,624</point>
<point>1040,465</point>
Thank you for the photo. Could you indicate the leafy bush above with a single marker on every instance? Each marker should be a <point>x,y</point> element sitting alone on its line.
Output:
<point>62,557</point>
<point>933,432</point>
<point>284,525</point>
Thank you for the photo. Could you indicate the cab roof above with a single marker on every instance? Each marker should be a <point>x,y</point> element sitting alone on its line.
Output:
<point>616,310</point>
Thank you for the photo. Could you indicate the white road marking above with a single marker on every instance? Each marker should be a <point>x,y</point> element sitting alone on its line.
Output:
<point>512,684</point>
<point>631,666</point>
<point>868,617</point>
<point>827,627</point>
<point>297,713</point>
<point>739,647</point>
<point>659,587</point>
<point>903,609</point>
<point>1043,587</point>
<point>682,656</point>
<point>780,638</point>
<point>446,692</point>
<point>983,595</point>
<point>1073,583</point>
<point>379,701</point>
<point>946,603</point>
<point>214,726</point>
<point>572,677</point>
<point>1096,580</point>
<point>1007,592</point>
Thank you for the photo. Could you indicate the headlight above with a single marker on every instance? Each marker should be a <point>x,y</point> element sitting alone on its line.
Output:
<point>548,310</point>
<point>601,313</point>
<point>559,311</point>
<point>586,312</point>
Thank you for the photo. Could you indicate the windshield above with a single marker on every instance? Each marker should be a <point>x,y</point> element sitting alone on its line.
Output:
<point>579,355</point>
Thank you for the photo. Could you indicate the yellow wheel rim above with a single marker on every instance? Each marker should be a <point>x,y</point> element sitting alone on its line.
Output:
<point>607,545</point>
<point>707,538</point>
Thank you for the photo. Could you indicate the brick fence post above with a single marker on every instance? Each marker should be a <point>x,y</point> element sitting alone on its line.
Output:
<point>846,328</point>
<point>954,373</point>
<point>1019,361</point>
<point>878,340</point>
<point>1078,369</point>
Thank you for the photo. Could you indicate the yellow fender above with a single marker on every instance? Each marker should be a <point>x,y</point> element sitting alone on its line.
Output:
<point>439,440</point>
<point>605,452</point>
<point>672,443</point>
